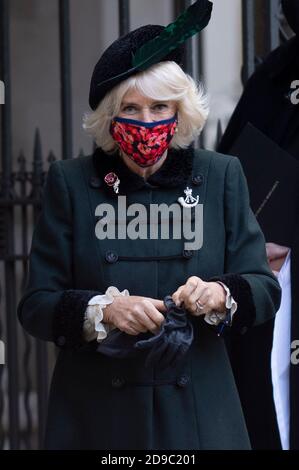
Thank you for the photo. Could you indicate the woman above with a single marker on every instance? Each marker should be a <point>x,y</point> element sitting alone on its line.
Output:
<point>80,286</point>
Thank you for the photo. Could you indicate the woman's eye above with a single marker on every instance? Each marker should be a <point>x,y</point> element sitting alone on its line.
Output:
<point>129,109</point>
<point>161,106</point>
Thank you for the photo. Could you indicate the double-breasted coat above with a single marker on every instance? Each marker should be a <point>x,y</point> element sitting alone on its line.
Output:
<point>98,402</point>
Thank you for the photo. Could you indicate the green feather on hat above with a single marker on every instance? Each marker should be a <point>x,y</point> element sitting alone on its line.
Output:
<point>193,20</point>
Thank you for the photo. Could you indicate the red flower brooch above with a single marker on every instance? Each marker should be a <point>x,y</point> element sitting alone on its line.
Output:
<point>111,179</point>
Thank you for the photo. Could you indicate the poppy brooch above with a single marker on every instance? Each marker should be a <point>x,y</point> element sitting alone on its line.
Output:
<point>111,179</point>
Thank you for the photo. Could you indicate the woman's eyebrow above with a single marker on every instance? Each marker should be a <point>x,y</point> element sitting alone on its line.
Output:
<point>129,103</point>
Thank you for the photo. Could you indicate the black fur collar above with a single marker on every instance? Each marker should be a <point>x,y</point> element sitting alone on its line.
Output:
<point>175,171</point>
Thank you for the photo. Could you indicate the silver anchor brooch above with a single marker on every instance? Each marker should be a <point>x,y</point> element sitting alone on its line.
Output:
<point>189,200</point>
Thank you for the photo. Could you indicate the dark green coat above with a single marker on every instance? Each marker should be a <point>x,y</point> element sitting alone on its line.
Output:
<point>102,403</point>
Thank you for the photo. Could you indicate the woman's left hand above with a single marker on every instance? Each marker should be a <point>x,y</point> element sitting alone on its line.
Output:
<point>209,295</point>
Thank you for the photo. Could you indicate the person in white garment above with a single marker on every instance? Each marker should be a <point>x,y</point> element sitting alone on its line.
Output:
<point>279,258</point>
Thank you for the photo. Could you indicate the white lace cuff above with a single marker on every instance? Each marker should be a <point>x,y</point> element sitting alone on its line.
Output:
<point>214,318</point>
<point>93,327</point>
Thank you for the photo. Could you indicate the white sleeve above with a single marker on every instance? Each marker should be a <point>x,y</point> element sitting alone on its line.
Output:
<point>93,327</point>
<point>280,354</point>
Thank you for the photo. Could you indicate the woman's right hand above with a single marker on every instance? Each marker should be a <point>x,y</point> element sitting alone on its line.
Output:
<point>135,314</point>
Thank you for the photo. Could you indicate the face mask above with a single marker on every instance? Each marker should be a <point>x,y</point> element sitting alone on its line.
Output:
<point>143,142</point>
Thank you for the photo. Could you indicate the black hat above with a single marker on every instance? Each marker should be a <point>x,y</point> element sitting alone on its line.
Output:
<point>145,46</point>
<point>110,64</point>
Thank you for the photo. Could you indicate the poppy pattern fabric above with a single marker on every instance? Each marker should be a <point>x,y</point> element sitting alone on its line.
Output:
<point>145,143</point>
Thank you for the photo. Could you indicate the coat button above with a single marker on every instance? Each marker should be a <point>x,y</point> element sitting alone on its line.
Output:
<point>118,382</point>
<point>243,330</point>
<point>187,254</point>
<point>95,182</point>
<point>61,340</point>
<point>183,381</point>
<point>197,180</point>
<point>111,256</point>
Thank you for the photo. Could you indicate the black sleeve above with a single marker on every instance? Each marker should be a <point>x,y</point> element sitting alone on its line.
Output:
<point>50,309</point>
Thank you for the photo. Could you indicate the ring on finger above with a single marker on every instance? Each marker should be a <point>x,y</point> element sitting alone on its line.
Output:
<point>199,306</point>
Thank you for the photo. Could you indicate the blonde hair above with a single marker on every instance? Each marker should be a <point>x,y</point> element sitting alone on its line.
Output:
<point>163,81</point>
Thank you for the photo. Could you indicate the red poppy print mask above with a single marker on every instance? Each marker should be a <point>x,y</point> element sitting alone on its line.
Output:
<point>143,142</point>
